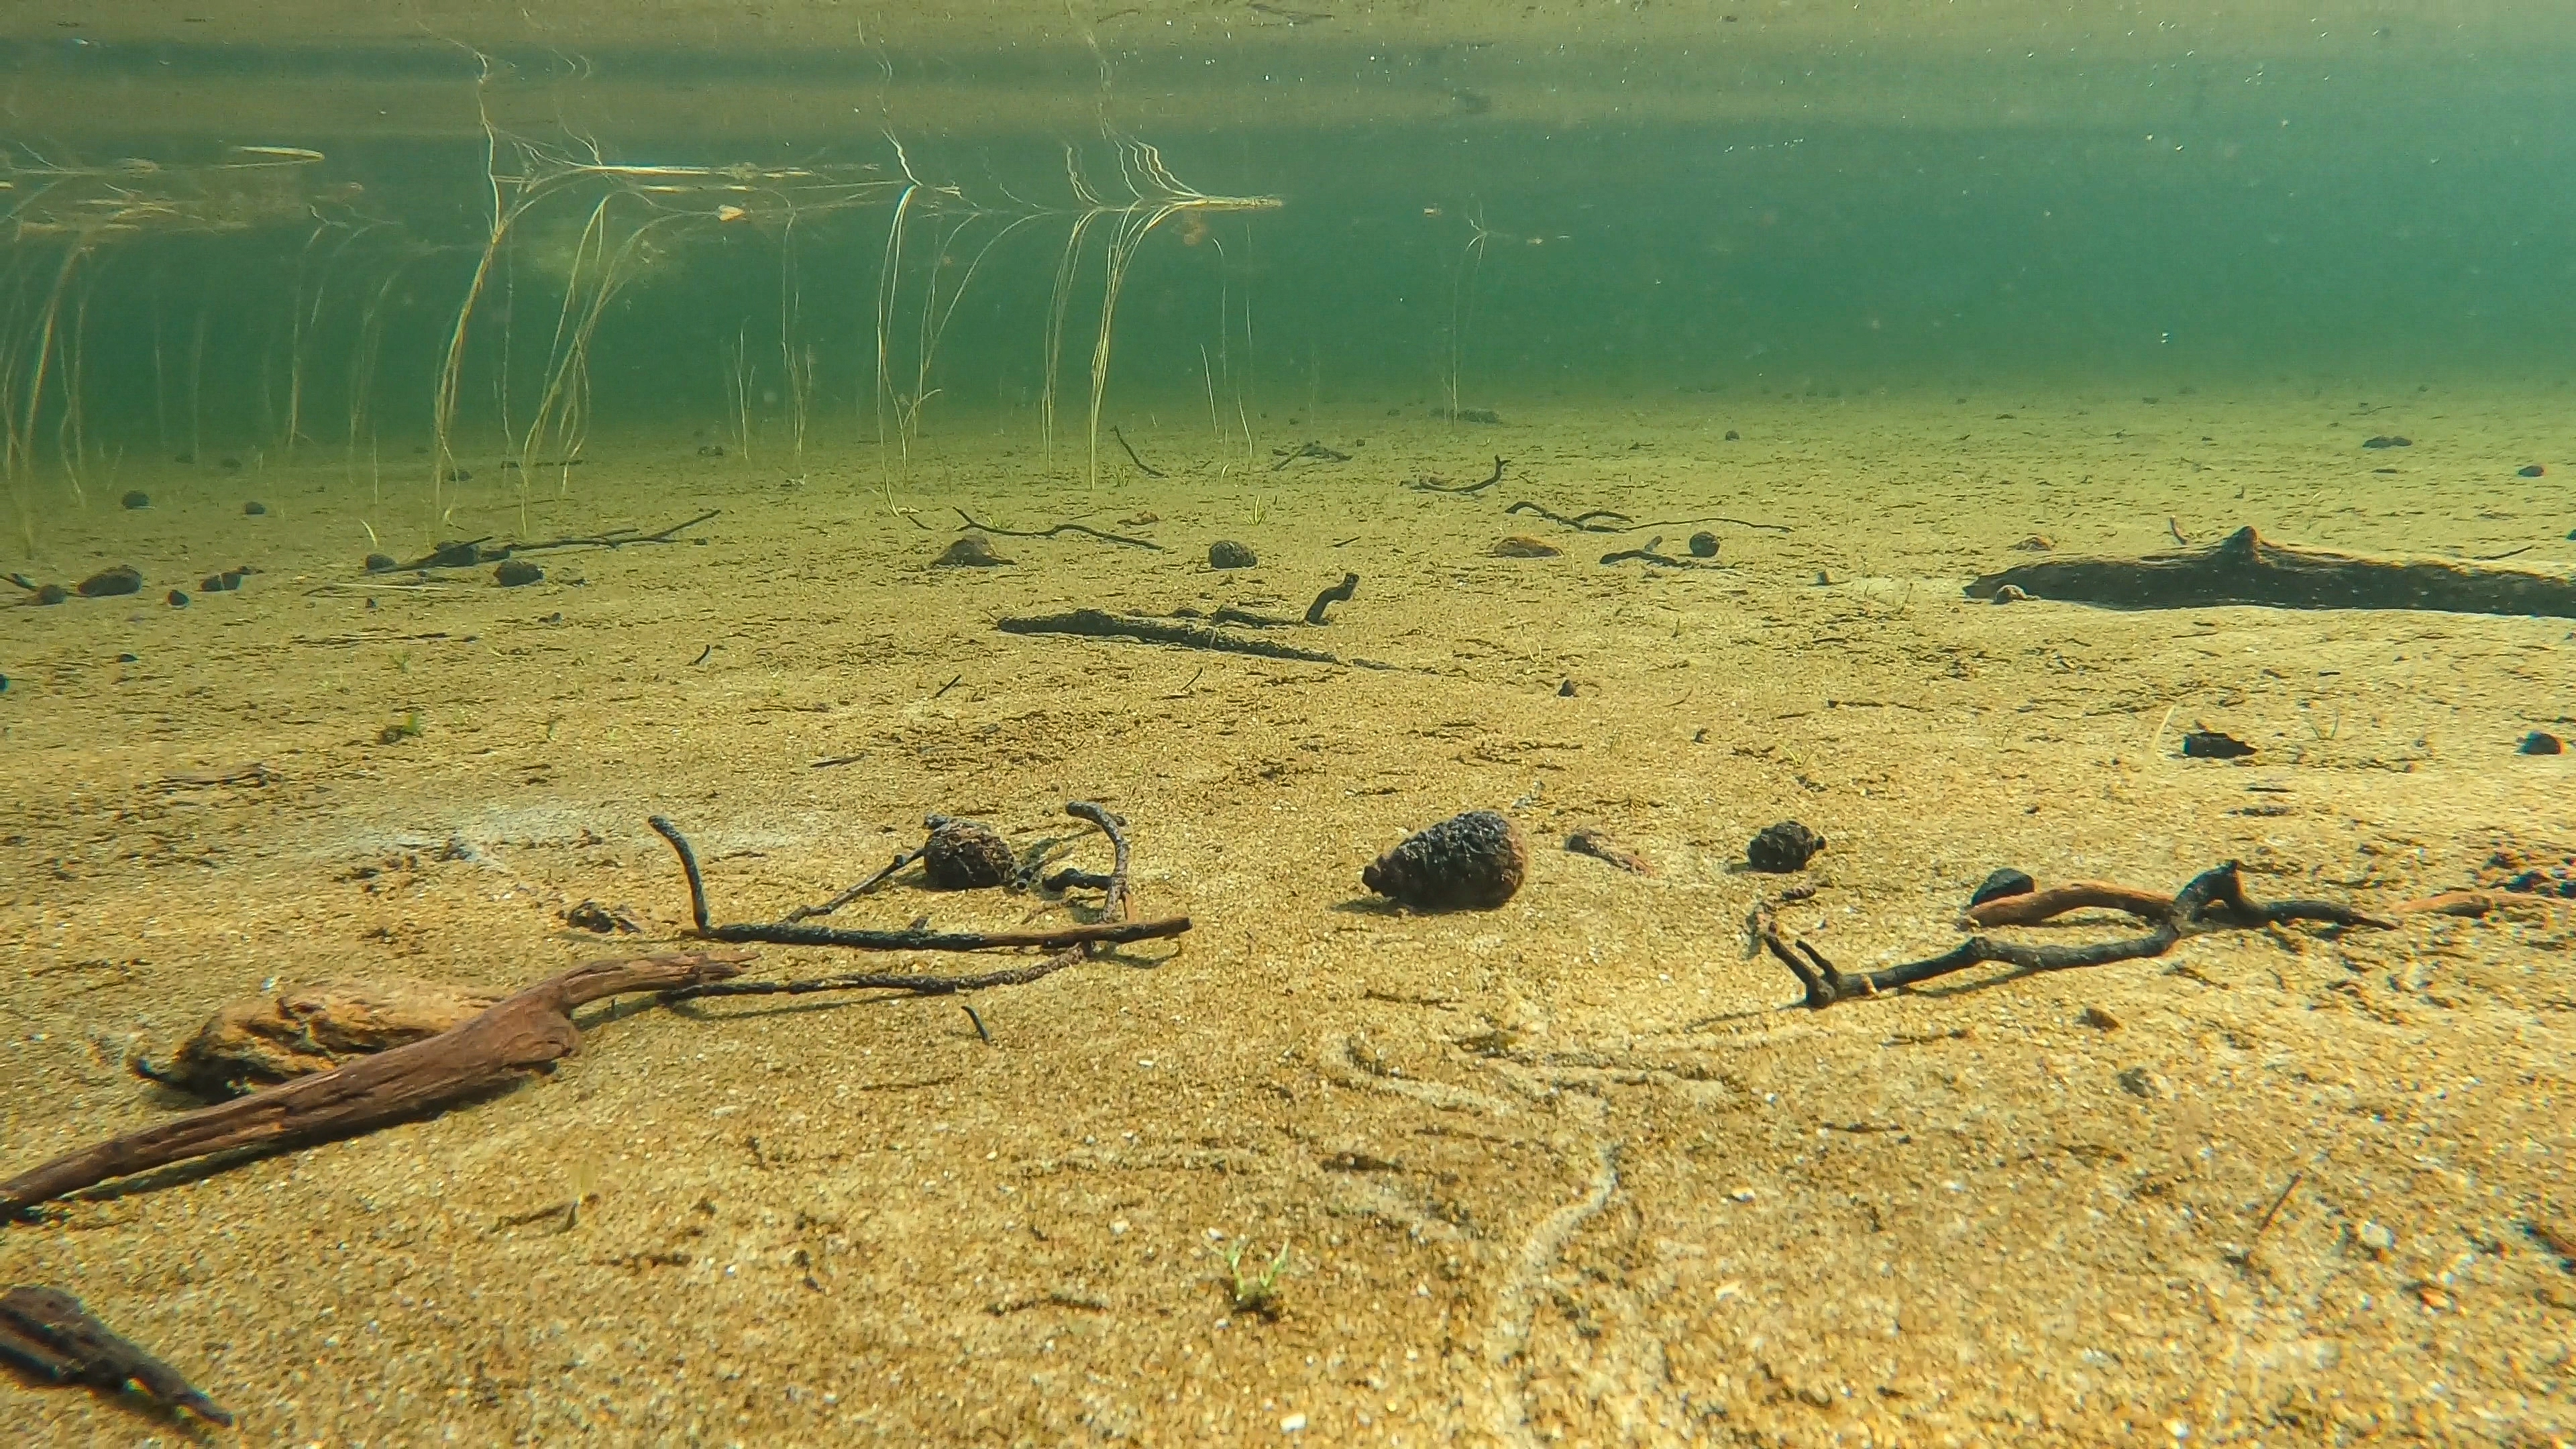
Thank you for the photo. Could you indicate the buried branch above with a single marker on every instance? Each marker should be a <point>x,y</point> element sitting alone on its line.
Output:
<point>2215,900</point>
<point>525,1033</point>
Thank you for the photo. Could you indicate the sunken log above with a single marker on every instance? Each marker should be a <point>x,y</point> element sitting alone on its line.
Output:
<point>2245,568</point>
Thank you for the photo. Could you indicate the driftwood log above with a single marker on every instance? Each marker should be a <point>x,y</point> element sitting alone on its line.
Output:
<point>2246,568</point>
<point>525,1033</point>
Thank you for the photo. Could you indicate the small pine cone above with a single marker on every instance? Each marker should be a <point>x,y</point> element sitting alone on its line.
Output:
<point>1473,861</point>
<point>965,855</point>
<point>1782,848</point>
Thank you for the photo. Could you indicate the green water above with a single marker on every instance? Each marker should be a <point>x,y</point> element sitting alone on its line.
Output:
<point>1497,228</point>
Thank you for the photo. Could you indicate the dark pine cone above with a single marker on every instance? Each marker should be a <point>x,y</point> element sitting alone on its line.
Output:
<point>1473,861</point>
<point>1783,848</point>
<point>965,855</point>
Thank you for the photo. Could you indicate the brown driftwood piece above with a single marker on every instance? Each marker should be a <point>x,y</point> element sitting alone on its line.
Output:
<point>2246,568</point>
<point>2032,907</point>
<point>47,1333</point>
<point>2215,900</point>
<point>1117,910</point>
<point>1599,845</point>
<point>1100,624</point>
<point>259,1041</point>
<point>525,1033</point>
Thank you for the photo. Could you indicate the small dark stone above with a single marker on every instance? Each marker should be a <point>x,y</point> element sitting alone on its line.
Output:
<point>2529,470</point>
<point>4,684</point>
<point>222,583</point>
<point>2005,882</point>
<point>136,498</point>
<point>974,551</point>
<point>516,572</point>
<point>965,855</point>
<point>129,658</point>
<point>1733,436</point>
<point>254,509</point>
<point>2208,744</point>
<point>52,594</point>
<point>106,583</point>
<point>1703,544</point>
<point>2541,742</point>
<point>450,554</point>
<point>711,450</point>
<point>1474,861</point>
<point>2388,440</point>
<point>1782,848</point>
<point>1225,553</point>
<point>178,600</point>
<point>459,475</point>
<point>1565,690</point>
<point>381,563</point>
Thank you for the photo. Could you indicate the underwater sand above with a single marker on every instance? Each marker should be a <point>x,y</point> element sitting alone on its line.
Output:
<point>1575,1170</point>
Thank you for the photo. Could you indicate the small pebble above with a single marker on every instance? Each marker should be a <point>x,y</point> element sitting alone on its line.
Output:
<point>106,583</point>
<point>1521,545</point>
<point>136,498</point>
<point>52,594</point>
<point>1703,544</point>
<point>974,551</point>
<point>178,600</point>
<point>516,572</point>
<point>1225,553</point>
<point>2208,744</point>
<point>2005,882</point>
<point>1783,847</point>
<point>222,583</point>
<point>1732,435</point>
<point>2529,470</point>
<point>1565,690</point>
<point>2098,1019</point>
<point>2376,1238</point>
<point>254,509</point>
<point>2010,594</point>
<point>2541,742</point>
<point>2143,1082</point>
<point>381,563</point>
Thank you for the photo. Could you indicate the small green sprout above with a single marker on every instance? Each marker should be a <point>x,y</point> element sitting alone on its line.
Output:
<point>406,728</point>
<point>1256,1292</point>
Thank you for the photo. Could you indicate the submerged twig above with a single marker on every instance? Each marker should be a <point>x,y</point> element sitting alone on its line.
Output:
<point>1059,528</point>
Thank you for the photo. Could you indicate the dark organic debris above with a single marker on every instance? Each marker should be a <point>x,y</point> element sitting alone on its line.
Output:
<point>1338,594</point>
<point>2036,543</point>
<point>381,563</point>
<point>1436,485</point>
<point>1703,544</point>
<point>136,498</point>
<point>2004,882</point>
<point>1597,520</point>
<point>605,920</point>
<point>1600,846</point>
<point>2541,742</point>
<point>254,509</point>
<point>966,855</point>
<point>107,583</point>
<point>1487,416</point>
<point>47,1333</point>
<point>2388,440</point>
<point>2529,470</point>
<point>1225,553</point>
<point>1473,861</point>
<point>2209,744</point>
<point>1148,469</point>
<point>1051,532</point>
<point>517,573</point>
<point>222,583</point>
<point>1287,456</point>
<point>1099,624</point>
<point>176,599</point>
<point>1782,848</point>
<point>1521,545</point>
<point>52,594</point>
<point>2215,900</point>
<point>971,551</point>
<point>2244,568</point>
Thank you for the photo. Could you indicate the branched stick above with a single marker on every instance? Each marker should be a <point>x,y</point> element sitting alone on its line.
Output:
<point>1059,528</point>
<point>615,537</point>
<point>525,1033</point>
<point>2215,900</point>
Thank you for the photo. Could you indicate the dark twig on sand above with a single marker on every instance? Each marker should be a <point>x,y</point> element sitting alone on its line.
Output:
<point>1652,554</point>
<point>1059,528</point>
<point>1067,946</point>
<point>1148,469</point>
<point>1307,450</point>
<point>1598,520</point>
<point>2215,900</point>
<point>1097,624</point>
<point>48,1334</point>
<point>1338,594</point>
<point>1426,485</point>
<point>613,538</point>
<point>525,1033</point>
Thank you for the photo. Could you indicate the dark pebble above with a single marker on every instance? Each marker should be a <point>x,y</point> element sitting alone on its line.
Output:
<point>1733,436</point>
<point>107,583</point>
<point>1225,553</point>
<point>2388,440</point>
<point>136,498</point>
<point>381,563</point>
<point>254,509</point>
<point>1782,848</point>
<point>459,475</point>
<point>2529,470</point>
<point>974,551</point>
<point>2212,745</point>
<point>1565,690</point>
<point>517,571</point>
<point>711,450</point>
<point>2541,742</point>
<point>52,594</point>
<point>178,600</point>
<point>222,583</point>
<point>4,684</point>
<point>129,658</point>
<point>2005,882</point>
<point>450,554</point>
<point>1474,861</point>
<point>1703,544</point>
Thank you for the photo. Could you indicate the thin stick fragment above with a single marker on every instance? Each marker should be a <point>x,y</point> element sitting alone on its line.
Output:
<point>1148,469</point>
<point>1425,485</point>
<point>1059,528</point>
<point>1597,520</point>
<point>1338,594</point>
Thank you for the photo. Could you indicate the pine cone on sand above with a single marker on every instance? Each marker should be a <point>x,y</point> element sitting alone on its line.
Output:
<point>965,855</point>
<point>1473,861</point>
